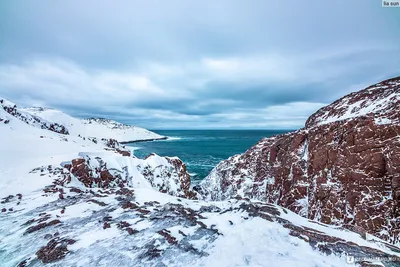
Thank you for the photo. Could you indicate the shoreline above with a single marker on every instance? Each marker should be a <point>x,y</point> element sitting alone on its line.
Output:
<point>144,140</point>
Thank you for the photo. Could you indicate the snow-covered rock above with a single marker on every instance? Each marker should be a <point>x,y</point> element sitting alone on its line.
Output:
<point>131,226</point>
<point>104,170</point>
<point>28,118</point>
<point>343,168</point>
<point>95,127</point>
<point>380,101</point>
<point>102,162</point>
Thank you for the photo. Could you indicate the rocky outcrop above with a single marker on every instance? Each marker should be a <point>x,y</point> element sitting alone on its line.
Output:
<point>30,119</point>
<point>343,168</point>
<point>168,175</point>
<point>94,170</point>
<point>116,146</point>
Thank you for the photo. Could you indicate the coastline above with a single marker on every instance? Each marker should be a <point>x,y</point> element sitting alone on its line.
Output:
<point>144,140</point>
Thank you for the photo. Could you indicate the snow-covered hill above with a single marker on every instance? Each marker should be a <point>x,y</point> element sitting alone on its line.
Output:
<point>10,109</point>
<point>95,127</point>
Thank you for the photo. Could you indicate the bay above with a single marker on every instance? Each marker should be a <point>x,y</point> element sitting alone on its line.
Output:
<point>202,150</point>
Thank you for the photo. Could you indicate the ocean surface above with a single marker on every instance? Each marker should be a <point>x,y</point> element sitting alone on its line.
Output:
<point>202,150</point>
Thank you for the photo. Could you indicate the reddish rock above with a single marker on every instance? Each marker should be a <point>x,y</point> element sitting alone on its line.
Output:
<point>343,168</point>
<point>172,179</point>
<point>95,176</point>
<point>41,226</point>
<point>106,225</point>
<point>129,205</point>
<point>114,144</point>
<point>55,249</point>
<point>131,231</point>
<point>167,235</point>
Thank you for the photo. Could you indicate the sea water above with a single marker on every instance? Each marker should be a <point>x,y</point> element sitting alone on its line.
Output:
<point>202,150</point>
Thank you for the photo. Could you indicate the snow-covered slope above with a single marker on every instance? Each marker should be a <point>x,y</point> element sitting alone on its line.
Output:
<point>69,201</point>
<point>25,147</point>
<point>95,127</point>
<point>12,110</point>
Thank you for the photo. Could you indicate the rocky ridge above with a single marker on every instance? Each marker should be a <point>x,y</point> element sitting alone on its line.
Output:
<point>343,168</point>
<point>30,119</point>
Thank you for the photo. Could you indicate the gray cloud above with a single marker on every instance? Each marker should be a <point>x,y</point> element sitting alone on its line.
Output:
<point>192,64</point>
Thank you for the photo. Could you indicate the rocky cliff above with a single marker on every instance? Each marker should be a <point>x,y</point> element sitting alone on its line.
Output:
<point>343,168</point>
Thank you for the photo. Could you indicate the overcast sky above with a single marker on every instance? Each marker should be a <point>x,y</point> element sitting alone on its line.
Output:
<point>194,64</point>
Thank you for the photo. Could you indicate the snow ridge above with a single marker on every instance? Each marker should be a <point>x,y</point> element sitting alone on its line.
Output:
<point>379,101</point>
<point>96,127</point>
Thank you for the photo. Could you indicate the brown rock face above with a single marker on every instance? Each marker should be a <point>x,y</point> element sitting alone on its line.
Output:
<point>343,168</point>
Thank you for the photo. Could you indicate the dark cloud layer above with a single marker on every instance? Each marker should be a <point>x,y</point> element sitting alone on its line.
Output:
<point>194,64</point>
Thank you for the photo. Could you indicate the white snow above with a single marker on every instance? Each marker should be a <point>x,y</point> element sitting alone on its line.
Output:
<point>99,128</point>
<point>361,107</point>
<point>245,242</point>
<point>91,237</point>
<point>256,242</point>
<point>333,231</point>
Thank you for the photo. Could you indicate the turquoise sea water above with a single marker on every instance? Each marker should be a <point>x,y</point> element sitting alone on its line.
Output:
<point>202,150</point>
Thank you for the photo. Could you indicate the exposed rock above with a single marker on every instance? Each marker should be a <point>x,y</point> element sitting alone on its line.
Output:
<point>106,225</point>
<point>100,203</point>
<point>343,168</point>
<point>131,231</point>
<point>55,249</point>
<point>114,144</point>
<point>167,235</point>
<point>93,172</point>
<point>41,226</point>
<point>168,176</point>
<point>129,205</point>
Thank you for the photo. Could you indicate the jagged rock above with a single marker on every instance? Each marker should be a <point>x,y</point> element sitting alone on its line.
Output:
<point>343,168</point>
<point>168,175</point>
<point>93,172</point>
